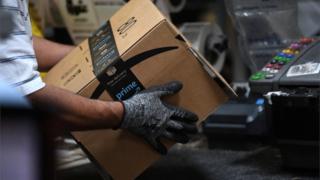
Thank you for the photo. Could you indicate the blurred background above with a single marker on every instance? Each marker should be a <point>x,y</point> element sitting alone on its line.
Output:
<point>248,137</point>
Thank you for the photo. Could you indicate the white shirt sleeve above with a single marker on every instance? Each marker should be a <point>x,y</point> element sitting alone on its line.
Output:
<point>18,65</point>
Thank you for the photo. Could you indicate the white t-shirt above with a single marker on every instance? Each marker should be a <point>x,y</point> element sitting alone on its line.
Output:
<point>18,65</point>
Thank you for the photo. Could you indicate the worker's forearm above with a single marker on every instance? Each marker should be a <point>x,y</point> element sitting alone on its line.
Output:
<point>49,53</point>
<point>76,112</point>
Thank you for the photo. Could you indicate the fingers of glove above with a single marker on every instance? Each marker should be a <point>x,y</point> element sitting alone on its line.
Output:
<point>157,145</point>
<point>166,89</point>
<point>176,136</point>
<point>182,114</point>
<point>174,125</point>
<point>188,128</point>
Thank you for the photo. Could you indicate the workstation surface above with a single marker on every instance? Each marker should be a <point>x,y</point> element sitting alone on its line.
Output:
<point>199,163</point>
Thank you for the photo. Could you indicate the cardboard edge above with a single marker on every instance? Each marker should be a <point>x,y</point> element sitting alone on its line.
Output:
<point>213,73</point>
<point>206,65</point>
<point>150,4</point>
<point>141,38</point>
<point>173,27</point>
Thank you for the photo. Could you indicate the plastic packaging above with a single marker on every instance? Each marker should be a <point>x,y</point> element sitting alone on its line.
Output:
<point>264,27</point>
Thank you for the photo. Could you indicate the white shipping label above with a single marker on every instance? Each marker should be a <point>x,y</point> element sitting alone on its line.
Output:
<point>304,69</point>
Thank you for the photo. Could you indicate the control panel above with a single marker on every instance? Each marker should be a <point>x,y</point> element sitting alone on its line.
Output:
<point>296,66</point>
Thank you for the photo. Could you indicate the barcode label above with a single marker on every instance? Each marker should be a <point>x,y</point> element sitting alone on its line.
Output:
<point>304,69</point>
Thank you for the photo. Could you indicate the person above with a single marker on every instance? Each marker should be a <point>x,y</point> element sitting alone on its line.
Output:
<point>145,114</point>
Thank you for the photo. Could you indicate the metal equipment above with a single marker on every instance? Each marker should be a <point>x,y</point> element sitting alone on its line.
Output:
<point>235,122</point>
<point>291,83</point>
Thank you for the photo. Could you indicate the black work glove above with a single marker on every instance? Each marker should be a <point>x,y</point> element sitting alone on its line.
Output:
<point>148,116</point>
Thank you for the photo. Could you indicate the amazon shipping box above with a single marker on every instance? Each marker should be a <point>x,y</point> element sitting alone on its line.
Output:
<point>137,48</point>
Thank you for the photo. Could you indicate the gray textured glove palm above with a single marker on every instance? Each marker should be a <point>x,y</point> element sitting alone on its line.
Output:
<point>148,116</point>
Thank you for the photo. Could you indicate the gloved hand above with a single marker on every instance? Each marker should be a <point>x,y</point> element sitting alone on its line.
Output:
<point>148,116</point>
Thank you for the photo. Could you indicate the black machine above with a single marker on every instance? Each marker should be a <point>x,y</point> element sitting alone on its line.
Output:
<point>288,113</point>
<point>236,122</point>
<point>291,81</point>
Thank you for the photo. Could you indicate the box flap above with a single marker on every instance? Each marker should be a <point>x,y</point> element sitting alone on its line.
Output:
<point>213,73</point>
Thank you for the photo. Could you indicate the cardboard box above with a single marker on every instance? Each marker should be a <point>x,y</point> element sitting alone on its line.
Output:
<point>137,48</point>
